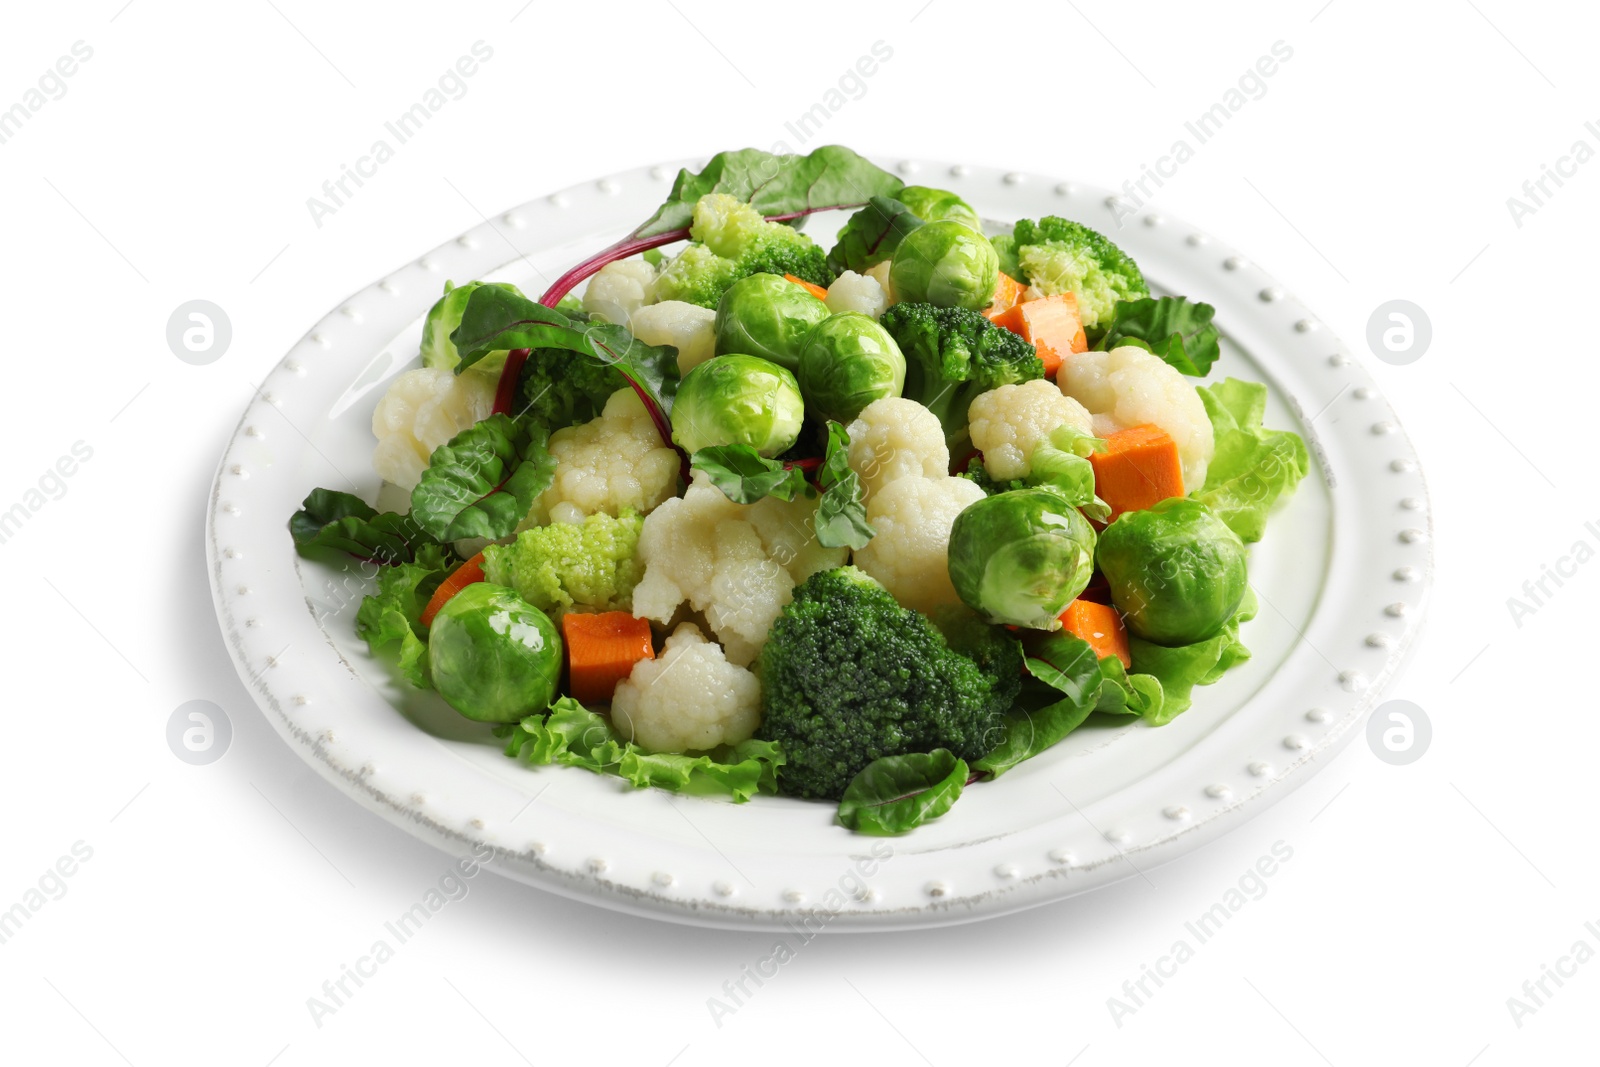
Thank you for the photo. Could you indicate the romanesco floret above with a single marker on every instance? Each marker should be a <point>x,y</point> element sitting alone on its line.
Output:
<point>952,355</point>
<point>690,699</point>
<point>910,553</point>
<point>591,565</point>
<point>896,438</point>
<point>609,464</point>
<point>848,676</point>
<point>1011,422</point>
<point>1056,255</point>
<point>422,410</point>
<point>731,240</point>
<point>736,563</point>
<point>1128,386</point>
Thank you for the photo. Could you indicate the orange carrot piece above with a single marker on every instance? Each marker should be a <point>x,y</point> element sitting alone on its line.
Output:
<point>1101,626</point>
<point>815,290</point>
<point>1139,468</point>
<point>1007,294</point>
<point>601,651</point>
<point>1051,324</point>
<point>457,580</point>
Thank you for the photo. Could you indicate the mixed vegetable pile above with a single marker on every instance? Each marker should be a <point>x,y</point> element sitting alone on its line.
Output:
<point>866,525</point>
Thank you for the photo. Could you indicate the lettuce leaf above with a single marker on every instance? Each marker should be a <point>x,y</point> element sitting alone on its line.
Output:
<point>482,482</point>
<point>1174,329</point>
<point>573,736</point>
<point>393,613</point>
<point>1252,467</point>
<point>1180,669</point>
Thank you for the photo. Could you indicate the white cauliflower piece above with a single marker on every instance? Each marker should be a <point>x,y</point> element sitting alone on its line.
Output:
<point>880,273</point>
<point>857,292</point>
<point>1010,422</point>
<point>422,410</point>
<point>736,563</point>
<point>686,327</point>
<point>689,700</point>
<point>1129,387</point>
<point>910,554</point>
<point>619,289</point>
<point>612,462</point>
<point>896,438</point>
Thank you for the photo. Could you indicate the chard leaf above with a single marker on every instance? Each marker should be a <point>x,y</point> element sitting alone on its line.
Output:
<point>482,482</point>
<point>894,794</point>
<point>1067,664</point>
<point>745,476</point>
<point>342,521</point>
<point>872,235</point>
<point>1174,329</point>
<point>775,185</point>
<point>841,519</point>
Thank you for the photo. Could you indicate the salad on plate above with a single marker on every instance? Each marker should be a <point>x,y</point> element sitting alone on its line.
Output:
<point>869,524</point>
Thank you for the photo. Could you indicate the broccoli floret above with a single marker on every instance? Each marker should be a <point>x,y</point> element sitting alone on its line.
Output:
<point>952,355</point>
<point>978,474</point>
<point>1057,255</point>
<point>561,389</point>
<point>585,566</point>
<point>731,240</point>
<point>849,676</point>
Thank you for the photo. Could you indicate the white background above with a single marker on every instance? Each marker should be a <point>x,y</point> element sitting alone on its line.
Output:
<point>218,899</point>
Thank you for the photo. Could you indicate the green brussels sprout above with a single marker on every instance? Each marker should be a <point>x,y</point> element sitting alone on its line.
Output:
<point>738,399</point>
<point>849,361</point>
<point>935,205</point>
<point>492,655</point>
<point>1176,571</point>
<point>946,263</point>
<point>769,316</point>
<point>1021,557</point>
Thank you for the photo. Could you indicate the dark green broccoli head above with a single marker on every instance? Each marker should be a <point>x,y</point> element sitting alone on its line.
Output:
<point>561,389</point>
<point>952,355</point>
<point>808,262</point>
<point>1057,255</point>
<point>849,676</point>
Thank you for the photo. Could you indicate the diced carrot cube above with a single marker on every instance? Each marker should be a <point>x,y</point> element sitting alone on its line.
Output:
<point>1139,468</point>
<point>1007,294</point>
<point>1051,324</point>
<point>815,290</point>
<point>601,651</point>
<point>1101,626</point>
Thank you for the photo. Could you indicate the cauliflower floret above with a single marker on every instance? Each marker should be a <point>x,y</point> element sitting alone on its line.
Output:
<point>689,700</point>
<point>1010,422</point>
<point>880,273</point>
<point>1128,386</point>
<point>610,463</point>
<point>895,438</point>
<point>910,554</point>
<point>619,289</point>
<point>736,563</point>
<point>857,292</point>
<point>686,327</point>
<point>422,410</point>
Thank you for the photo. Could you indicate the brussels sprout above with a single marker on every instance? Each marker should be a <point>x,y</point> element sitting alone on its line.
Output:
<point>492,655</point>
<point>1176,571</point>
<point>1021,557</point>
<point>946,263</point>
<point>738,400</point>
<point>444,317</point>
<point>848,362</point>
<point>769,316</point>
<point>935,205</point>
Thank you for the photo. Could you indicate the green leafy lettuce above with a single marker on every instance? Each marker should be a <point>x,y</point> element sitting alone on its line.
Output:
<point>393,612</point>
<point>482,482</point>
<point>894,794</point>
<point>573,736</point>
<point>1252,466</point>
<point>1182,668</point>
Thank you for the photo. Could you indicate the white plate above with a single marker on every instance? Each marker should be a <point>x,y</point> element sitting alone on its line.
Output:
<point>1342,574</point>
